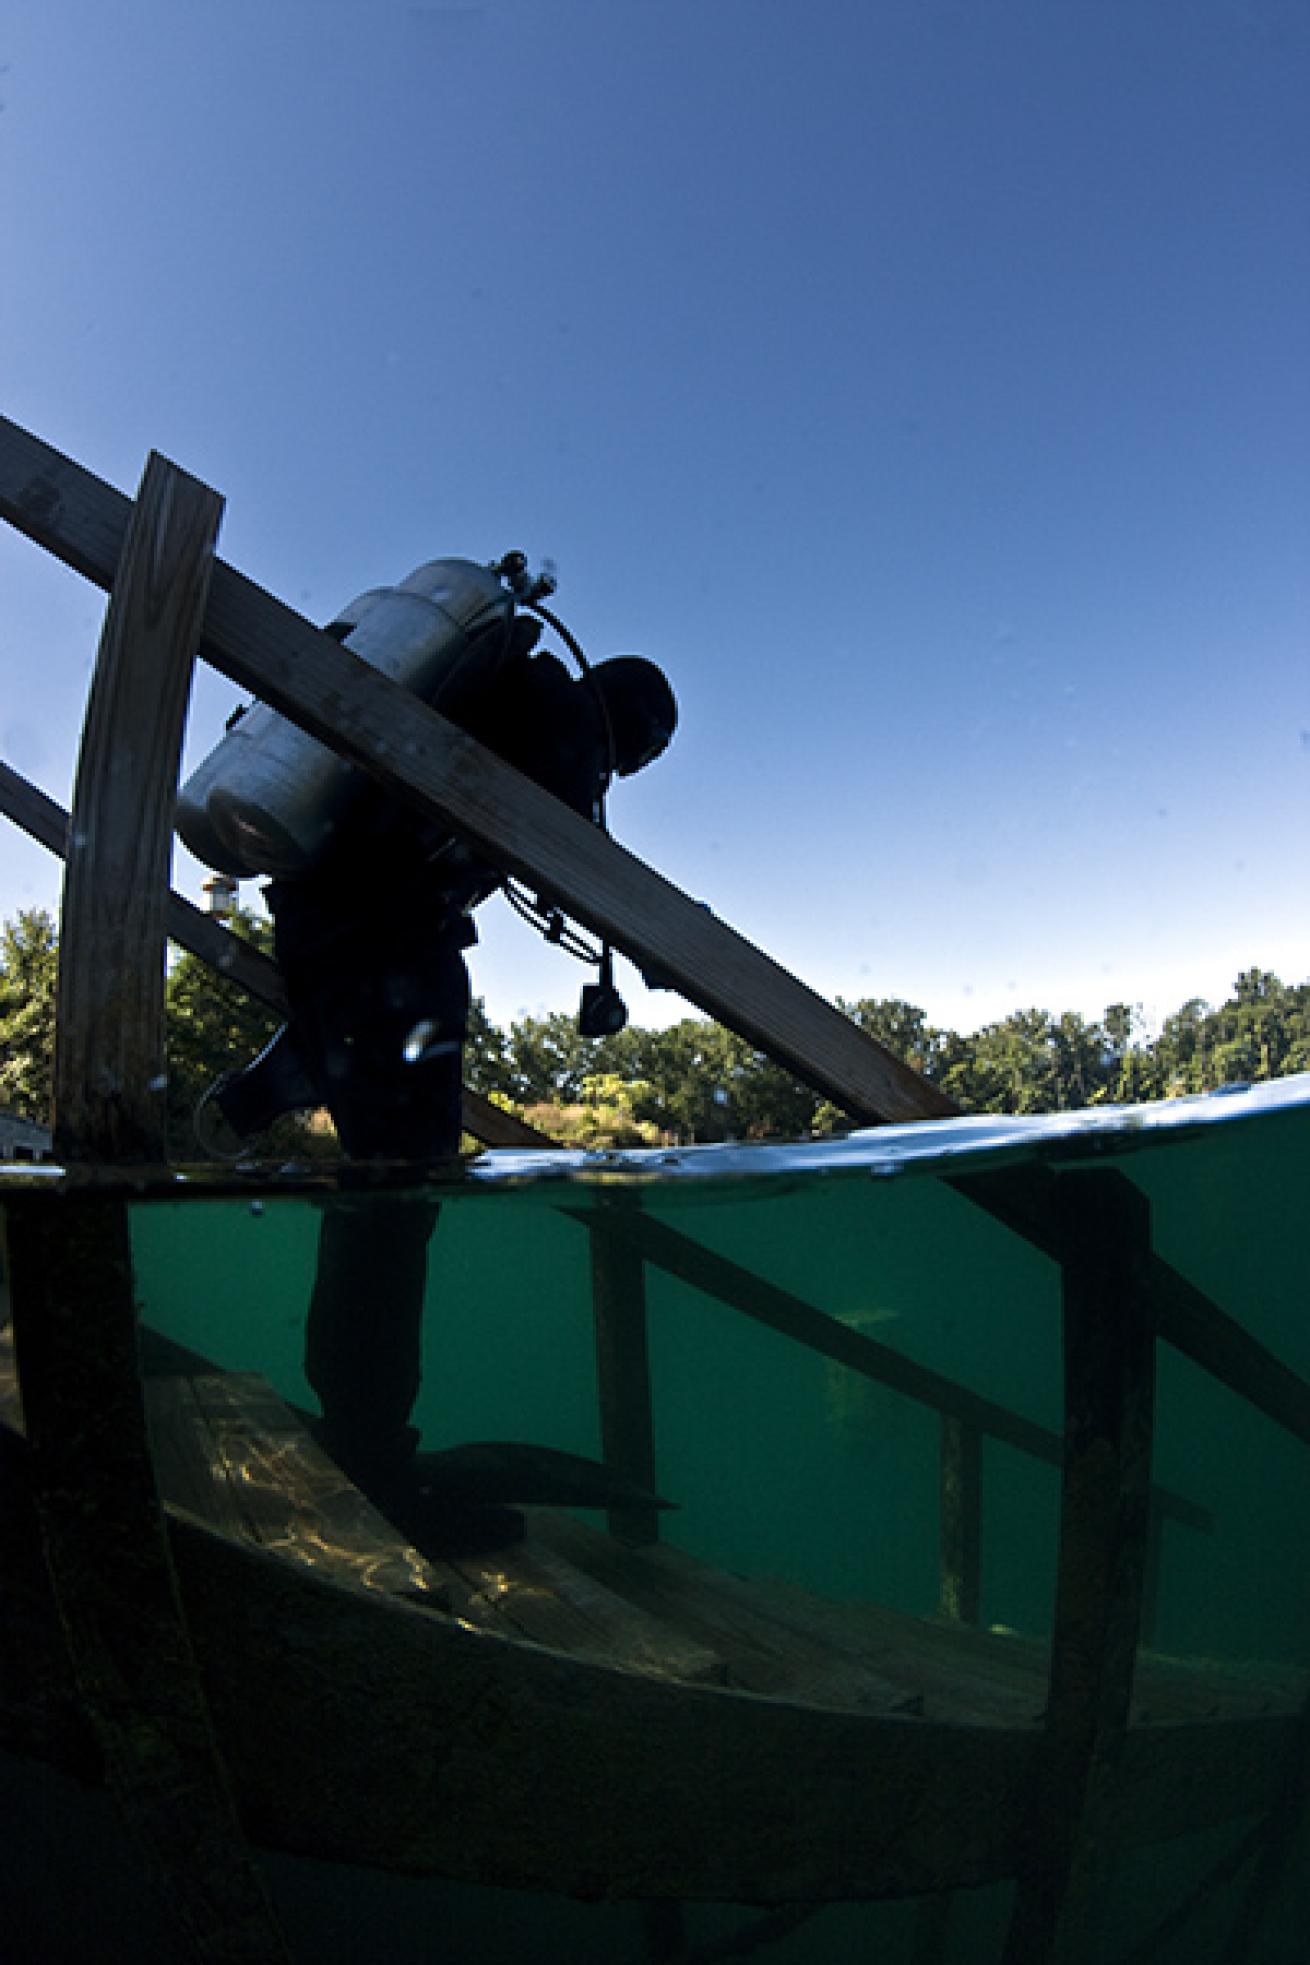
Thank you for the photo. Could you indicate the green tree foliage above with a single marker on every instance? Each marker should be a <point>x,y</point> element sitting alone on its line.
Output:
<point>29,962</point>
<point>1261,1032</point>
<point>1033,1062</point>
<point>212,1026</point>
<point>486,1056</point>
<point>695,1080</point>
<point>605,1115</point>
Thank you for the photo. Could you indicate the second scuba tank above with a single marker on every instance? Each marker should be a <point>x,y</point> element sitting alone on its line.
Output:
<point>268,798</point>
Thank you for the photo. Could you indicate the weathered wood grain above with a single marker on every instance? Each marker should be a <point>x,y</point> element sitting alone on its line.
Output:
<point>109,1074</point>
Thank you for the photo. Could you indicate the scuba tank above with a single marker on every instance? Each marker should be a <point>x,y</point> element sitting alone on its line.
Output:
<point>268,798</point>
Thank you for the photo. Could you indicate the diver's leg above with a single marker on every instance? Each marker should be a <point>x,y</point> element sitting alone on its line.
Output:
<point>390,1099</point>
<point>363,1335</point>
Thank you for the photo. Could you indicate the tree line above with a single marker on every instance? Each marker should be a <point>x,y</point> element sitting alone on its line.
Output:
<point>693,1080</point>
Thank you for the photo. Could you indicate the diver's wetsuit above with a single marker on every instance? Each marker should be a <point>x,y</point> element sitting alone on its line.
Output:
<point>371,945</point>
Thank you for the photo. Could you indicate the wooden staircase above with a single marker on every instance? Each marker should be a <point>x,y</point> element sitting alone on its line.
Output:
<point>230,1453</point>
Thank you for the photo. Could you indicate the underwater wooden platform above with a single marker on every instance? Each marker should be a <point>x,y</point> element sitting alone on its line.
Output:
<point>574,1714</point>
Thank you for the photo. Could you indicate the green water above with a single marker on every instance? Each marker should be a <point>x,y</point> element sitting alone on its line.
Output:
<point>784,1464</point>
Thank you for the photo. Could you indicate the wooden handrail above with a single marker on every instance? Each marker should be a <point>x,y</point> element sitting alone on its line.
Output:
<point>718,1276</point>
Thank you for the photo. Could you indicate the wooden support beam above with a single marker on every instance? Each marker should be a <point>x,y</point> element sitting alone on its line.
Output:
<point>109,1048</point>
<point>71,1279</point>
<point>205,937</point>
<point>1109,1375</point>
<point>75,1337</point>
<point>627,1425</point>
<point>267,647</point>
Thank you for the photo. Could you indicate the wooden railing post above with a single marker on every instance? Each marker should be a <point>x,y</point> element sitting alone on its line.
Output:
<point>1109,1379</point>
<point>109,1050</point>
<point>627,1424</point>
<point>70,1256</point>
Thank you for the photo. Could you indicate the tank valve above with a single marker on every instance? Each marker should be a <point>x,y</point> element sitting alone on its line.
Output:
<point>518,576</point>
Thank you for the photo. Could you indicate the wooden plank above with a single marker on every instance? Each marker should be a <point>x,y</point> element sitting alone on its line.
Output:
<point>267,647</point>
<point>109,1044</point>
<point>445,1751</point>
<point>1109,1343</point>
<point>187,1468</point>
<point>946,1669</point>
<point>764,1653</point>
<point>296,1501</point>
<point>627,1424</point>
<point>74,1319</point>
<point>231,1452</point>
<point>239,960</point>
<point>534,1590</point>
<point>995,1673</point>
<point>30,808</point>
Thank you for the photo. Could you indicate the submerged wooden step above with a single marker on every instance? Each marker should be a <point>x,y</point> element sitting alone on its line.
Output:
<point>760,1653</point>
<point>229,1452</point>
<point>779,1639</point>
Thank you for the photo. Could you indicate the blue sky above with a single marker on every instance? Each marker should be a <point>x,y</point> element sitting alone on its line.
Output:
<point>924,385</point>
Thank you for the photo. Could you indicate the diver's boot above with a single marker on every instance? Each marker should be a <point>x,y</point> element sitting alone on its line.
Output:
<point>388,1474</point>
<point>242,1103</point>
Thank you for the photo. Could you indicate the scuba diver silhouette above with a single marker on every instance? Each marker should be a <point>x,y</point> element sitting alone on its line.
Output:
<point>370,938</point>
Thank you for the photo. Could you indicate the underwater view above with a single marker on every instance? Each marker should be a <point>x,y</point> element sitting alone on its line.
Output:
<point>801,1471</point>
